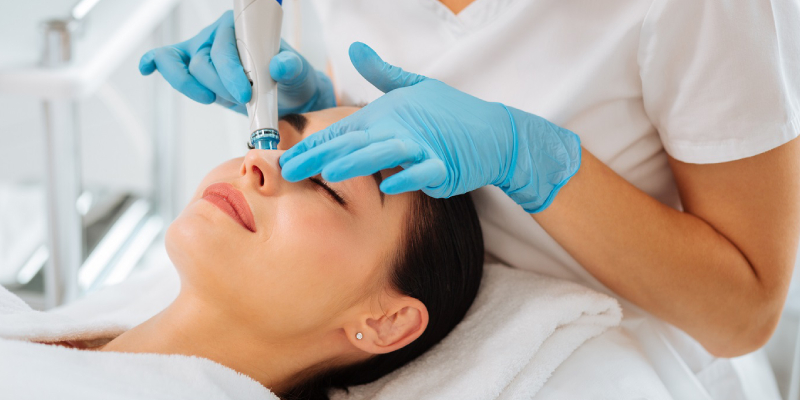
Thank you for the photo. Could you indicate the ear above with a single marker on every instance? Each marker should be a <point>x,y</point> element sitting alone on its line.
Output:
<point>403,320</point>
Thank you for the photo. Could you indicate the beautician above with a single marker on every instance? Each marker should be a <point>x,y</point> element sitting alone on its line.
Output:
<point>652,144</point>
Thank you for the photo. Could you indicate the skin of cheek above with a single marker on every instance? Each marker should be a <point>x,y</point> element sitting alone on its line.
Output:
<point>201,243</point>
<point>308,270</point>
<point>199,225</point>
<point>317,263</point>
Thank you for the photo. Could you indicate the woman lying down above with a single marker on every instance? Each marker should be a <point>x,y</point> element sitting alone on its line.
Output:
<point>300,287</point>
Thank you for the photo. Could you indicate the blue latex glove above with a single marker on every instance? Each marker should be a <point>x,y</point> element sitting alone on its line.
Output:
<point>207,69</point>
<point>447,141</point>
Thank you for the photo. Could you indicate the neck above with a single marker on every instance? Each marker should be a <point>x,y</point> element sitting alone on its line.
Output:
<point>192,327</point>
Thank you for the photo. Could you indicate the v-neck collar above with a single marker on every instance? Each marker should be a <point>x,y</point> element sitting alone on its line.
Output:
<point>476,14</point>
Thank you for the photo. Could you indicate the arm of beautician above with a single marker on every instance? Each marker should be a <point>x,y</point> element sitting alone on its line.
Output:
<point>719,270</point>
<point>207,69</point>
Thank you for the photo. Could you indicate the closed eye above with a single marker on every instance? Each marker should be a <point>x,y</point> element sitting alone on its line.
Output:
<point>333,193</point>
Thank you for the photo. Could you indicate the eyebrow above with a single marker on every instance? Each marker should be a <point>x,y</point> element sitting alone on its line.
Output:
<point>297,121</point>
<point>378,180</point>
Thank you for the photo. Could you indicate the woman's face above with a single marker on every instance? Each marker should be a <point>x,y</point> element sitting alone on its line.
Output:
<point>306,256</point>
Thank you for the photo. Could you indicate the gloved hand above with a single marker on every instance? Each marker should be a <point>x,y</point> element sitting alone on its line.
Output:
<point>207,69</point>
<point>447,141</point>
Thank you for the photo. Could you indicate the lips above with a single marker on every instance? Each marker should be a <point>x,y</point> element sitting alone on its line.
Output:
<point>232,202</point>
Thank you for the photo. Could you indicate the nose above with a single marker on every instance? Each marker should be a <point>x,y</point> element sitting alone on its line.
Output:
<point>262,171</point>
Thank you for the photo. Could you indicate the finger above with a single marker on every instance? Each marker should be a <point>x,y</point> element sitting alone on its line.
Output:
<point>312,162</point>
<point>225,58</point>
<point>240,108</point>
<point>353,122</point>
<point>300,89</point>
<point>147,63</point>
<point>203,70</point>
<point>384,76</point>
<point>225,102</point>
<point>172,64</point>
<point>287,68</point>
<point>373,158</point>
<point>206,36</point>
<point>427,174</point>
<point>312,141</point>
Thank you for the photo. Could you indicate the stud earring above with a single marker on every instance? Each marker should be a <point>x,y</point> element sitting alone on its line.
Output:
<point>359,336</point>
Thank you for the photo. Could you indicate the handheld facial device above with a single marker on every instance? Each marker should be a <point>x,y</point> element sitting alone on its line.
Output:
<point>258,38</point>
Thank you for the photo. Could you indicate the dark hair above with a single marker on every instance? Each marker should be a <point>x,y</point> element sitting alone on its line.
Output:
<point>441,265</point>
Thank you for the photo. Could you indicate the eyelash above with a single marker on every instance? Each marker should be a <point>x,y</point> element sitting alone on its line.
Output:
<point>332,192</point>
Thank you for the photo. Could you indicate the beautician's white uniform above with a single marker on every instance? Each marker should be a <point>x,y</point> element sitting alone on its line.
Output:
<point>706,81</point>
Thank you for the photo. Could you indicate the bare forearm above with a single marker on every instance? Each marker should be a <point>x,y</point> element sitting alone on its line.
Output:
<point>671,263</point>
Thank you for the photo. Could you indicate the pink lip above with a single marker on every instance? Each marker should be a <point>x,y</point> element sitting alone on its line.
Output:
<point>232,202</point>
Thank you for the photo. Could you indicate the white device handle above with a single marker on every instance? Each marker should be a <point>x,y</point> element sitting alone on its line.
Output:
<point>258,38</point>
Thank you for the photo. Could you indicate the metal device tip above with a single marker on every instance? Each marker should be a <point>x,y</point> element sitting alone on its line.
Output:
<point>265,139</point>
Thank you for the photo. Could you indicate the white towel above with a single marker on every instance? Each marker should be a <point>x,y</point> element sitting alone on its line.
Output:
<point>19,322</point>
<point>35,371</point>
<point>521,327</point>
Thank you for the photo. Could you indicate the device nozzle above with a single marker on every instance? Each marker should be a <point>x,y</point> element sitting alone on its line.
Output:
<point>265,139</point>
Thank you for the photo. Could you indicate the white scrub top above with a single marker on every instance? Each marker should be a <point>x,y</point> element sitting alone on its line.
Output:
<point>706,81</point>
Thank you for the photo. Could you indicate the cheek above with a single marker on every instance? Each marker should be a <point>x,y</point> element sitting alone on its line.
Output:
<point>197,235</point>
<point>307,272</point>
<point>308,243</point>
<point>312,267</point>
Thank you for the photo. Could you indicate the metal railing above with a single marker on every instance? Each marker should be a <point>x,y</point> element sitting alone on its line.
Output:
<point>139,221</point>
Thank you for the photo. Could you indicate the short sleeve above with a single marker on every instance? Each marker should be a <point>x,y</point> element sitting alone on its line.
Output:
<point>721,78</point>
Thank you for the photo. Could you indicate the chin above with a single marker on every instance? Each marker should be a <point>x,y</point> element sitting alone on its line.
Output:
<point>197,238</point>
<point>204,249</point>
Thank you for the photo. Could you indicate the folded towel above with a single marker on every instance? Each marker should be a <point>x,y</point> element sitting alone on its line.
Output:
<point>37,371</point>
<point>19,322</point>
<point>520,328</point>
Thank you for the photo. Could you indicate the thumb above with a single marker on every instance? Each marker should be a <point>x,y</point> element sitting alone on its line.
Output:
<point>384,76</point>
<point>147,64</point>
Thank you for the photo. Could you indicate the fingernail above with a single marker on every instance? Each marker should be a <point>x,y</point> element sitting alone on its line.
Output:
<point>241,91</point>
